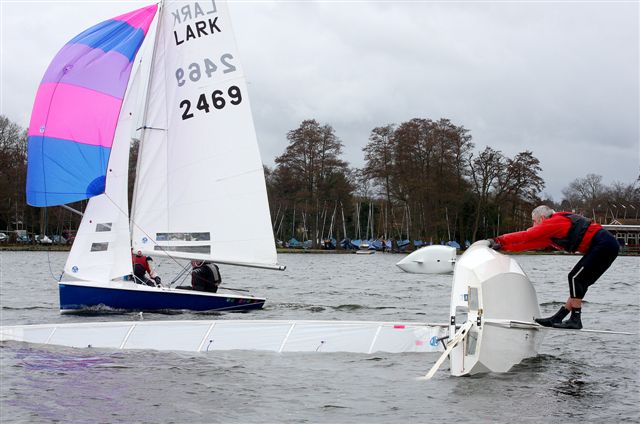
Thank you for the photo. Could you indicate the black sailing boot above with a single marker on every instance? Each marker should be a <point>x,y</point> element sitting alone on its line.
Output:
<point>573,323</point>
<point>554,319</point>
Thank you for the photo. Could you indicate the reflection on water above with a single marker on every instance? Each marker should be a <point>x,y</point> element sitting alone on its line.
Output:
<point>56,361</point>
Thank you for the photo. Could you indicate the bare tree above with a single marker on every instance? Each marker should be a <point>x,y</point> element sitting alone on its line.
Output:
<point>13,169</point>
<point>486,169</point>
<point>584,194</point>
<point>379,159</point>
<point>310,171</point>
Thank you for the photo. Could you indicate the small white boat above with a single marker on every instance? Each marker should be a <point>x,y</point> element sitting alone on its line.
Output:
<point>365,252</point>
<point>434,259</point>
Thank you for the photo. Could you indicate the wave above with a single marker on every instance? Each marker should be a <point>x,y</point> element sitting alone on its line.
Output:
<point>27,308</point>
<point>320,308</point>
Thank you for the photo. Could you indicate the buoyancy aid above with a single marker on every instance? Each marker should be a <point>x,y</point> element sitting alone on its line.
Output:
<point>205,278</point>
<point>140,265</point>
<point>579,226</point>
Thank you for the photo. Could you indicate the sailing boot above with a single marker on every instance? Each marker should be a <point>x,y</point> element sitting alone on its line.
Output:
<point>554,319</point>
<point>573,323</point>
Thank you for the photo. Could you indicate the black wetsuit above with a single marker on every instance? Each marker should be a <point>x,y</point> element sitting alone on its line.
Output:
<point>602,251</point>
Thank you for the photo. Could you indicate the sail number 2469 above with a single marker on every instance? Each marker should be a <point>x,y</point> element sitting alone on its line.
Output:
<point>217,100</point>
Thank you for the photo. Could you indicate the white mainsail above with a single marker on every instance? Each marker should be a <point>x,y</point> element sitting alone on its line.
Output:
<point>200,191</point>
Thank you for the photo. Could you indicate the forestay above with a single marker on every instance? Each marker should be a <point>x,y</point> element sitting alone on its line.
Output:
<point>200,191</point>
<point>101,249</point>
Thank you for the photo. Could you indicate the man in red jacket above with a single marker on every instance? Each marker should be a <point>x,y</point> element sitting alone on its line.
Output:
<point>571,233</point>
<point>142,267</point>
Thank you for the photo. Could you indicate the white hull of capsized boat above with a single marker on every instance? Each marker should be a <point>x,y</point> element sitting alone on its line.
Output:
<point>265,335</point>
<point>435,259</point>
<point>493,293</point>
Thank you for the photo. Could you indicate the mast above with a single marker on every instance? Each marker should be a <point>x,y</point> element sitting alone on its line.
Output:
<point>145,110</point>
<point>344,225</point>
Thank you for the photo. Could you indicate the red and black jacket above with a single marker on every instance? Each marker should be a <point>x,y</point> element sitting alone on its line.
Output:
<point>562,231</point>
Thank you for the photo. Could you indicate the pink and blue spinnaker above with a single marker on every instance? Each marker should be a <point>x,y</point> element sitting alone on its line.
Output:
<point>76,110</point>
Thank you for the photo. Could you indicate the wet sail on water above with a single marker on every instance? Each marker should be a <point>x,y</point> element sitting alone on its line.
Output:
<point>200,191</point>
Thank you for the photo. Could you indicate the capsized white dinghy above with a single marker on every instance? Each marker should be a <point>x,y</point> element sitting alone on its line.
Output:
<point>434,259</point>
<point>490,328</point>
<point>489,287</point>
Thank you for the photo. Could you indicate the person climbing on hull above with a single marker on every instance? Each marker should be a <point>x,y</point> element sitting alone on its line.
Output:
<point>571,233</point>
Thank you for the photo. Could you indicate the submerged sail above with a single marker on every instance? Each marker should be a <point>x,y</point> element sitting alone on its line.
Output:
<point>76,110</point>
<point>200,190</point>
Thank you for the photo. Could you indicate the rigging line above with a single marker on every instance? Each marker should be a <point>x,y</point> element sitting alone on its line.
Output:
<point>145,107</point>
<point>43,128</point>
<point>166,252</point>
<point>234,289</point>
<point>182,274</point>
<point>46,218</point>
<point>144,127</point>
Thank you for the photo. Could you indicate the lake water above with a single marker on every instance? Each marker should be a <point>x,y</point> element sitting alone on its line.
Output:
<point>578,377</point>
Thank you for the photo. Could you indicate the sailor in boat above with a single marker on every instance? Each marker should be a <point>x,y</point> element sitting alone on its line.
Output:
<point>571,233</point>
<point>204,277</point>
<point>142,267</point>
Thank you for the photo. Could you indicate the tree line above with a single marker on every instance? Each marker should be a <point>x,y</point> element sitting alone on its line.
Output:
<point>422,179</point>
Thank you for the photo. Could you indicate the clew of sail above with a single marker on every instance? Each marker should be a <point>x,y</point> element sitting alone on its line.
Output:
<point>76,110</point>
<point>200,191</point>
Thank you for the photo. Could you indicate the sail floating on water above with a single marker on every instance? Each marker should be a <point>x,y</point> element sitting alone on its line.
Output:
<point>76,110</point>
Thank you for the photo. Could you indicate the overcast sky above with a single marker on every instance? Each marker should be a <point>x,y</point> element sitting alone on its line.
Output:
<point>558,78</point>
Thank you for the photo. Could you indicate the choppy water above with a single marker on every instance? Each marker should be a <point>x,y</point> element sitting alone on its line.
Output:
<point>578,377</point>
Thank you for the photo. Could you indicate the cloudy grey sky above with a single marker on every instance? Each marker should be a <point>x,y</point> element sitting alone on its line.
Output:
<point>558,78</point>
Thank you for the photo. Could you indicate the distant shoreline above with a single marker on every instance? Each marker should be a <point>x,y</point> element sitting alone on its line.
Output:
<point>34,248</point>
<point>65,248</point>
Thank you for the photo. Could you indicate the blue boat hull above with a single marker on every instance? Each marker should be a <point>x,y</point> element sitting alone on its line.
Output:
<point>78,297</point>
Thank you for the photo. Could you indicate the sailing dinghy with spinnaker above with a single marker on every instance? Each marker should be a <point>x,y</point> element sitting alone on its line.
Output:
<point>490,327</point>
<point>199,193</point>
